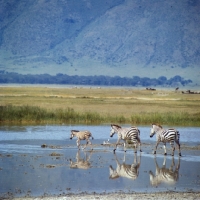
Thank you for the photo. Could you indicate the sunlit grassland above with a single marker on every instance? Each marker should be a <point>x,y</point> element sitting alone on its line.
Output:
<point>98,105</point>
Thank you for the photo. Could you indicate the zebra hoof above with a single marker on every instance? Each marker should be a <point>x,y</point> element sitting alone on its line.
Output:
<point>114,150</point>
<point>165,154</point>
<point>140,150</point>
<point>154,152</point>
<point>179,154</point>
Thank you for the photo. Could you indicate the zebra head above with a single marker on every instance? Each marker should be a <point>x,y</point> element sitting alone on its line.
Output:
<point>73,133</point>
<point>152,131</point>
<point>155,128</point>
<point>154,180</point>
<point>113,173</point>
<point>113,129</point>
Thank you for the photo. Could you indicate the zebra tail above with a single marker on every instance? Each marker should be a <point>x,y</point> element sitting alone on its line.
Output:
<point>177,135</point>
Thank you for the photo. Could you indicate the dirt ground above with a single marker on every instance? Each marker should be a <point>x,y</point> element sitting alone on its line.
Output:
<point>150,196</point>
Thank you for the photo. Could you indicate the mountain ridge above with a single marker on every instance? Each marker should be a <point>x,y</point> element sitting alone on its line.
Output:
<point>121,37</point>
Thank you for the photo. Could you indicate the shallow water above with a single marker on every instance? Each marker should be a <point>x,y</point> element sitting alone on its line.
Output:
<point>26,169</point>
<point>62,132</point>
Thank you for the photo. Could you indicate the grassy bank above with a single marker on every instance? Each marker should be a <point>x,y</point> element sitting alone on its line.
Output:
<point>34,105</point>
<point>35,115</point>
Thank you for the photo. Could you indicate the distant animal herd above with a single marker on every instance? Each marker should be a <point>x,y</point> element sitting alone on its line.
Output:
<point>132,134</point>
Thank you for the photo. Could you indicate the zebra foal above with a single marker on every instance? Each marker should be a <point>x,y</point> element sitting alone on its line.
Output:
<point>81,163</point>
<point>165,136</point>
<point>127,134</point>
<point>81,135</point>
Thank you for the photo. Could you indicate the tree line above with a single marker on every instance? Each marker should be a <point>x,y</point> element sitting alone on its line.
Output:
<point>12,77</point>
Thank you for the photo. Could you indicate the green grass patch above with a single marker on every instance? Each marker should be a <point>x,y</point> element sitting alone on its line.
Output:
<point>34,115</point>
<point>170,118</point>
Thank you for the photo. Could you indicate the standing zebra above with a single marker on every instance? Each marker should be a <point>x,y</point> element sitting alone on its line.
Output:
<point>81,135</point>
<point>169,135</point>
<point>163,174</point>
<point>131,134</point>
<point>125,170</point>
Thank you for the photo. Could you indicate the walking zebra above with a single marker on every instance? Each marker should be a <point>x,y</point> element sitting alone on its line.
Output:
<point>131,134</point>
<point>163,174</point>
<point>81,135</point>
<point>125,170</point>
<point>81,163</point>
<point>165,136</point>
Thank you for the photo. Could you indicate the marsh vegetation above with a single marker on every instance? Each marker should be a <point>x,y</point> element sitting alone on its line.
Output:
<point>97,105</point>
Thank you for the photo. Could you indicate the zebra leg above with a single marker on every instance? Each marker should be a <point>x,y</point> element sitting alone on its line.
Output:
<point>164,162</point>
<point>165,149</point>
<point>78,156</point>
<point>78,144</point>
<point>156,147</point>
<point>178,144</point>
<point>135,148</point>
<point>139,142</point>
<point>90,143</point>
<point>115,148</point>
<point>124,146</point>
<point>172,165</point>
<point>173,148</point>
<point>116,145</point>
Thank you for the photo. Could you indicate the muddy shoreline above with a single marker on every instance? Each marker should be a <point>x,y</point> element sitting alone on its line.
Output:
<point>116,196</point>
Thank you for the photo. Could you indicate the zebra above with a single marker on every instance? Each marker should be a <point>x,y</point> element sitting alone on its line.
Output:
<point>125,170</point>
<point>169,135</point>
<point>80,162</point>
<point>163,174</point>
<point>81,135</point>
<point>131,134</point>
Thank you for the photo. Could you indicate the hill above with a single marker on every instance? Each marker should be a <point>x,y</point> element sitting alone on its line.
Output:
<point>116,37</point>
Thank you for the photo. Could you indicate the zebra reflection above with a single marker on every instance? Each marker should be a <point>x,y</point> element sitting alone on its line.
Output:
<point>125,170</point>
<point>163,174</point>
<point>81,163</point>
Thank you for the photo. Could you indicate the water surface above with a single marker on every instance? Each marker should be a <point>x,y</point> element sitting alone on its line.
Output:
<point>26,169</point>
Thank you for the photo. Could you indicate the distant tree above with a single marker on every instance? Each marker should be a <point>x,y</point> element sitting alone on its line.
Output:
<point>10,77</point>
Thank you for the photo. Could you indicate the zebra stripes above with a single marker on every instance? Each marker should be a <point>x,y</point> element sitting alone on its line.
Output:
<point>165,175</point>
<point>130,171</point>
<point>165,136</point>
<point>130,135</point>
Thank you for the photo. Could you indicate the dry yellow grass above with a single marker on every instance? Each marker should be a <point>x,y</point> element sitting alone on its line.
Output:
<point>113,101</point>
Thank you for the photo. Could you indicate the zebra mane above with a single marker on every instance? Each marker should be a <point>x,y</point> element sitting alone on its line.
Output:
<point>116,125</point>
<point>157,125</point>
<point>75,131</point>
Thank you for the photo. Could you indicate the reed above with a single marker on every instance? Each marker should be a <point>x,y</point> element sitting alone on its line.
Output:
<point>34,115</point>
<point>170,118</point>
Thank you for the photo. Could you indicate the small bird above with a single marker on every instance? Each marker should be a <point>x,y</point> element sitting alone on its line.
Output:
<point>106,142</point>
